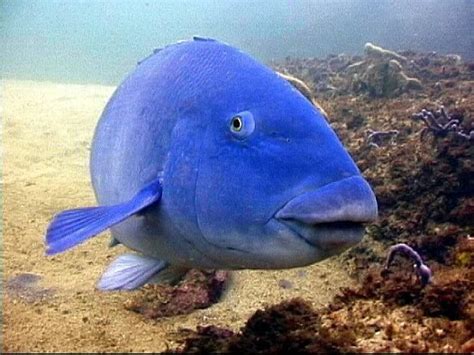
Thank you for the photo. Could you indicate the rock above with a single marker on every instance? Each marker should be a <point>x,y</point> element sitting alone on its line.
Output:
<point>381,74</point>
<point>285,284</point>
<point>385,79</point>
<point>376,52</point>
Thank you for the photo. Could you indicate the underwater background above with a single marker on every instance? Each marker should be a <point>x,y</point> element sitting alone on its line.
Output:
<point>396,80</point>
<point>89,41</point>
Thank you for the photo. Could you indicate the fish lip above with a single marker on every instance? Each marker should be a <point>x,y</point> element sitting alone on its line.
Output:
<point>331,217</point>
<point>295,232</point>
<point>348,200</point>
<point>340,227</point>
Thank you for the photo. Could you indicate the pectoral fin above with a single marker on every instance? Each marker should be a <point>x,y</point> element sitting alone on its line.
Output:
<point>72,227</point>
<point>130,271</point>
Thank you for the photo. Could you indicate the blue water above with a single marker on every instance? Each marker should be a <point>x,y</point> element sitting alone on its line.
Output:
<point>100,41</point>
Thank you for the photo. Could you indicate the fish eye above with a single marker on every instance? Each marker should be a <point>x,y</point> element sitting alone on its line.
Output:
<point>242,124</point>
<point>236,124</point>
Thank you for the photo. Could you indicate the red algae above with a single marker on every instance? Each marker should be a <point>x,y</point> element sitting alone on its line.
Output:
<point>198,289</point>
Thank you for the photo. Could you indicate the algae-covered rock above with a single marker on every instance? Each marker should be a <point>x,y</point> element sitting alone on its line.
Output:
<point>376,52</point>
<point>381,74</point>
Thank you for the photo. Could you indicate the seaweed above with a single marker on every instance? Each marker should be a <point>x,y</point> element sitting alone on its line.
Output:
<point>207,339</point>
<point>291,326</point>
<point>198,290</point>
<point>381,314</point>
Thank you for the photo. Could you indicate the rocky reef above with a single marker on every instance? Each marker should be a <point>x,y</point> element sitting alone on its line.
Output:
<point>407,119</point>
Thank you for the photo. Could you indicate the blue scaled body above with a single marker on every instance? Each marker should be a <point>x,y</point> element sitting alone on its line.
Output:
<point>205,158</point>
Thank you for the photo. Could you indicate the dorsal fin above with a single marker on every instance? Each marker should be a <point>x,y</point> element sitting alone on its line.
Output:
<point>203,39</point>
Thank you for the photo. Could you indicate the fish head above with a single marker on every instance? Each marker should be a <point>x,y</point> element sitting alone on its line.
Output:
<point>256,175</point>
<point>275,186</point>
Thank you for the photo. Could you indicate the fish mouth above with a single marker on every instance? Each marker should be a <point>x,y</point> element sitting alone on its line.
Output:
<point>330,238</point>
<point>333,217</point>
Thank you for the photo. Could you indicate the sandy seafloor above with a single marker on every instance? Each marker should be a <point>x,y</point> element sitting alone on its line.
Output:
<point>47,130</point>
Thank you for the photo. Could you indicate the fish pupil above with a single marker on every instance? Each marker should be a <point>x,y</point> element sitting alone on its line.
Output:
<point>237,123</point>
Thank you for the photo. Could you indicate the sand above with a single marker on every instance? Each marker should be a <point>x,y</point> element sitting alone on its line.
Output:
<point>47,130</point>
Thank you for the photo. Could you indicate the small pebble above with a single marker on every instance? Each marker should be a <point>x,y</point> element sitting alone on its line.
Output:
<point>285,284</point>
<point>302,273</point>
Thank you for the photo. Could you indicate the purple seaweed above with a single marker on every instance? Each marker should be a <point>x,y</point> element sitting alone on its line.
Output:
<point>440,123</point>
<point>422,270</point>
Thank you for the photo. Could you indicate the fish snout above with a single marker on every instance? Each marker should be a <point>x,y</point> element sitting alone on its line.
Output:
<point>331,218</point>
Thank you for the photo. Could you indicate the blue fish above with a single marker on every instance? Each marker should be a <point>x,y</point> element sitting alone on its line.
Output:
<point>205,158</point>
